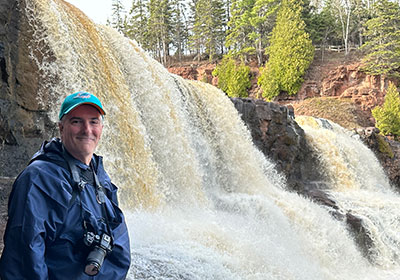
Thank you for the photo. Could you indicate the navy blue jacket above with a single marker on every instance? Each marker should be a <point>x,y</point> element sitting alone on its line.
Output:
<point>44,233</point>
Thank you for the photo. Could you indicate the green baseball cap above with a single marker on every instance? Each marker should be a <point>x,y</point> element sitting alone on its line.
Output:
<point>80,98</point>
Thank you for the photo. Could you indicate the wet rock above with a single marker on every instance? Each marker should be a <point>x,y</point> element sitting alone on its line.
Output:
<point>360,234</point>
<point>355,224</point>
<point>280,138</point>
<point>386,150</point>
<point>23,119</point>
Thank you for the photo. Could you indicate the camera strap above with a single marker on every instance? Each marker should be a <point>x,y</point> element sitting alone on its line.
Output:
<point>101,198</point>
<point>79,185</point>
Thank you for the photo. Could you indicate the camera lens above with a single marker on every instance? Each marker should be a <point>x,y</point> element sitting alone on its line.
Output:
<point>92,269</point>
<point>94,261</point>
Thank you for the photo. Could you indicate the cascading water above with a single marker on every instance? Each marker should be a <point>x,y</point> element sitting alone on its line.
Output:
<point>359,185</point>
<point>201,201</point>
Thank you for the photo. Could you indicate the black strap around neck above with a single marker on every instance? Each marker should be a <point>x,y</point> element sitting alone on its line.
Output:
<point>79,185</point>
<point>101,197</point>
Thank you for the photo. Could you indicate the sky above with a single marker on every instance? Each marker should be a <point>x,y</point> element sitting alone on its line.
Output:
<point>98,10</point>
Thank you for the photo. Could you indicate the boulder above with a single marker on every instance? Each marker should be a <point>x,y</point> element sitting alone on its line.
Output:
<point>276,134</point>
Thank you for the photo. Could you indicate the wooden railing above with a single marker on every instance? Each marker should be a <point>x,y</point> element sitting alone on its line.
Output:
<point>333,48</point>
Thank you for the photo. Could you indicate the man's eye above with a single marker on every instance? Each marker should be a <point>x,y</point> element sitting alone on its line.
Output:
<point>75,121</point>
<point>95,122</point>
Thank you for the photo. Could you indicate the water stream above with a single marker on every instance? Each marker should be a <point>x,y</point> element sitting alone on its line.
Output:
<point>201,201</point>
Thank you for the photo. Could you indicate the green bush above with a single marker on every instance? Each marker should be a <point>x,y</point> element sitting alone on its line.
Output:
<point>233,79</point>
<point>387,116</point>
<point>384,147</point>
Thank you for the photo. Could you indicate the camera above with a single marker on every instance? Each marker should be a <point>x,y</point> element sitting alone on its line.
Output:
<point>102,245</point>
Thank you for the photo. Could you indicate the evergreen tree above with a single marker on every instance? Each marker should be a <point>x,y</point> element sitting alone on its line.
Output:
<point>179,33</point>
<point>239,28</point>
<point>262,20</point>
<point>118,16</point>
<point>233,79</point>
<point>387,116</point>
<point>290,53</point>
<point>321,25</point>
<point>159,28</point>
<point>249,27</point>
<point>314,21</point>
<point>208,26</point>
<point>137,23</point>
<point>382,46</point>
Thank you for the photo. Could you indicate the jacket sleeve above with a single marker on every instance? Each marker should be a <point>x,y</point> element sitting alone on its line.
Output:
<point>37,204</point>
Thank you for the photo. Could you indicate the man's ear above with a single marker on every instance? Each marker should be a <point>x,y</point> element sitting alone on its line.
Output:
<point>60,127</point>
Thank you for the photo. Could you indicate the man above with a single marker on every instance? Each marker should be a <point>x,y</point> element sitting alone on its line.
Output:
<point>64,221</point>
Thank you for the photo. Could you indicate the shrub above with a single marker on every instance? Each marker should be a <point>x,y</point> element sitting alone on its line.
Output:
<point>233,79</point>
<point>387,116</point>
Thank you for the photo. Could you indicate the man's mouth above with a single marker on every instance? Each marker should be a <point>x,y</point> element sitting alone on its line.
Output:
<point>87,139</point>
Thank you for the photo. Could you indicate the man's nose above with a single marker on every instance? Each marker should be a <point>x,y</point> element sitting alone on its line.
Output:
<point>86,127</point>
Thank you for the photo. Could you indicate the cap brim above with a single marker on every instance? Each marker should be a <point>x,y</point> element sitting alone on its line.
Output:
<point>101,111</point>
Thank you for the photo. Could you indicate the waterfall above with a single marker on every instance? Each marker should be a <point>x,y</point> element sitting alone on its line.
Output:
<point>201,201</point>
<point>359,185</point>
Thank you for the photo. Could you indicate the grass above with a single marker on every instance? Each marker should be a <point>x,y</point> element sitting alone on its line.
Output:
<point>341,111</point>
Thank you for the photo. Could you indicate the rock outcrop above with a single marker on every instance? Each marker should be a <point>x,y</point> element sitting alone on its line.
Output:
<point>281,139</point>
<point>196,72</point>
<point>386,150</point>
<point>345,81</point>
<point>23,121</point>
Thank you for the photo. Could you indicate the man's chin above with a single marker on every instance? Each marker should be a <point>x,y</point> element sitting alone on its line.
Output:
<point>86,147</point>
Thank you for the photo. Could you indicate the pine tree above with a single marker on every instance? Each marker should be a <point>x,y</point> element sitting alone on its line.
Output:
<point>239,28</point>
<point>159,28</point>
<point>118,16</point>
<point>179,33</point>
<point>290,53</point>
<point>208,27</point>
<point>249,27</point>
<point>262,20</point>
<point>138,23</point>
<point>382,47</point>
<point>387,116</point>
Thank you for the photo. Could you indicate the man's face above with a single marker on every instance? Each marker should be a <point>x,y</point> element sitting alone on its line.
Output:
<point>80,132</point>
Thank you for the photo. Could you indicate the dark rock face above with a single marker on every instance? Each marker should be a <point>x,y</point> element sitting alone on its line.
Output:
<point>23,120</point>
<point>354,224</point>
<point>280,138</point>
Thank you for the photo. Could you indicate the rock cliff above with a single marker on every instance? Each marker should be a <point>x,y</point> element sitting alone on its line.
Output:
<point>276,133</point>
<point>23,120</point>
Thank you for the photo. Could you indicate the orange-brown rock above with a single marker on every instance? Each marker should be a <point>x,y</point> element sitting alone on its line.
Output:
<point>201,72</point>
<point>348,81</point>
